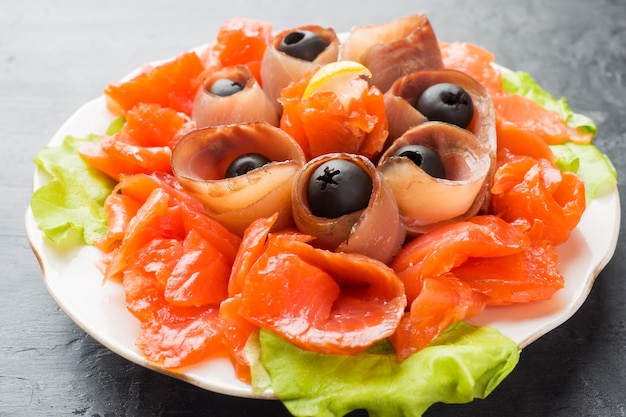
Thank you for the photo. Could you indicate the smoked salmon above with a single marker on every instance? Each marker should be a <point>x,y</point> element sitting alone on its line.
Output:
<point>532,117</point>
<point>356,300</point>
<point>527,190</point>
<point>143,144</point>
<point>200,290</point>
<point>438,251</point>
<point>236,328</point>
<point>443,300</point>
<point>174,263</point>
<point>321,124</point>
<point>474,61</point>
<point>522,142</point>
<point>453,272</point>
<point>172,84</point>
<point>243,42</point>
<point>530,275</point>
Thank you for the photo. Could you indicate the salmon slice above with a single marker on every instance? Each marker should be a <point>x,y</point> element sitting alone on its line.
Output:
<point>134,190</point>
<point>166,212</point>
<point>200,276</point>
<point>243,42</point>
<point>144,293</point>
<point>158,259</point>
<point>236,333</point>
<point>531,275</point>
<point>119,209</point>
<point>140,186</point>
<point>211,230</point>
<point>518,141</point>
<point>174,263</point>
<point>172,84</point>
<point>474,61</point>
<point>526,190</point>
<point>171,336</point>
<point>177,343</point>
<point>454,272</point>
<point>532,117</point>
<point>438,251</point>
<point>252,245</point>
<point>94,154</point>
<point>141,159</point>
<point>321,124</point>
<point>143,145</point>
<point>237,329</point>
<point>149,125</point>
<point>355,302</point>
<point>144,283</point>
<point>142,229</point>
<point>436,297</point>
<point>443,300</point>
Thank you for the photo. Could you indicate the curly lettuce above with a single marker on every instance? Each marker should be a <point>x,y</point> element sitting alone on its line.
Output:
<point>465,362</point>
<point>71,203</point>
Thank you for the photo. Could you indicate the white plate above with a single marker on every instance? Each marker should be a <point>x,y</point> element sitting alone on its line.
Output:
<point>100,310</point>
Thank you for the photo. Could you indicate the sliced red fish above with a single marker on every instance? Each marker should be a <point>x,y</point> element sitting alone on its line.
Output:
<point>321,300</point>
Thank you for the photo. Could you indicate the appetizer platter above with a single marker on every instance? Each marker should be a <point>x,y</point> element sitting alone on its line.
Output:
<point>280,201</point>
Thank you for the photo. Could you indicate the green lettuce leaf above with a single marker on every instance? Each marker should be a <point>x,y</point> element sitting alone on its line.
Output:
<point>523,84</point>
<point>116,125</point>
<point>71,203</point>
<point>591,165</point>
<point>463,363</point>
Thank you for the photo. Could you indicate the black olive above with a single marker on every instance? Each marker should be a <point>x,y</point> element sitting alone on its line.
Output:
<point>224,87</point>
<point>448,103</point>
<point>303,44</point>
<point>245,163</point>
<point>425,158</point>
<point>338,187</point>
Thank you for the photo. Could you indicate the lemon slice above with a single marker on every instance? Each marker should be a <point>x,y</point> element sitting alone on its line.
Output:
<point>333,76</point>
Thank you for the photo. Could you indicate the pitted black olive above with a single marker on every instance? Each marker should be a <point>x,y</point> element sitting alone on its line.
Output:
<point>225,87</point>
<point>303,44</point>
<point>245,163</point>
<point>425,158</point>
<point>448,103</point>
<point>338,187</point>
